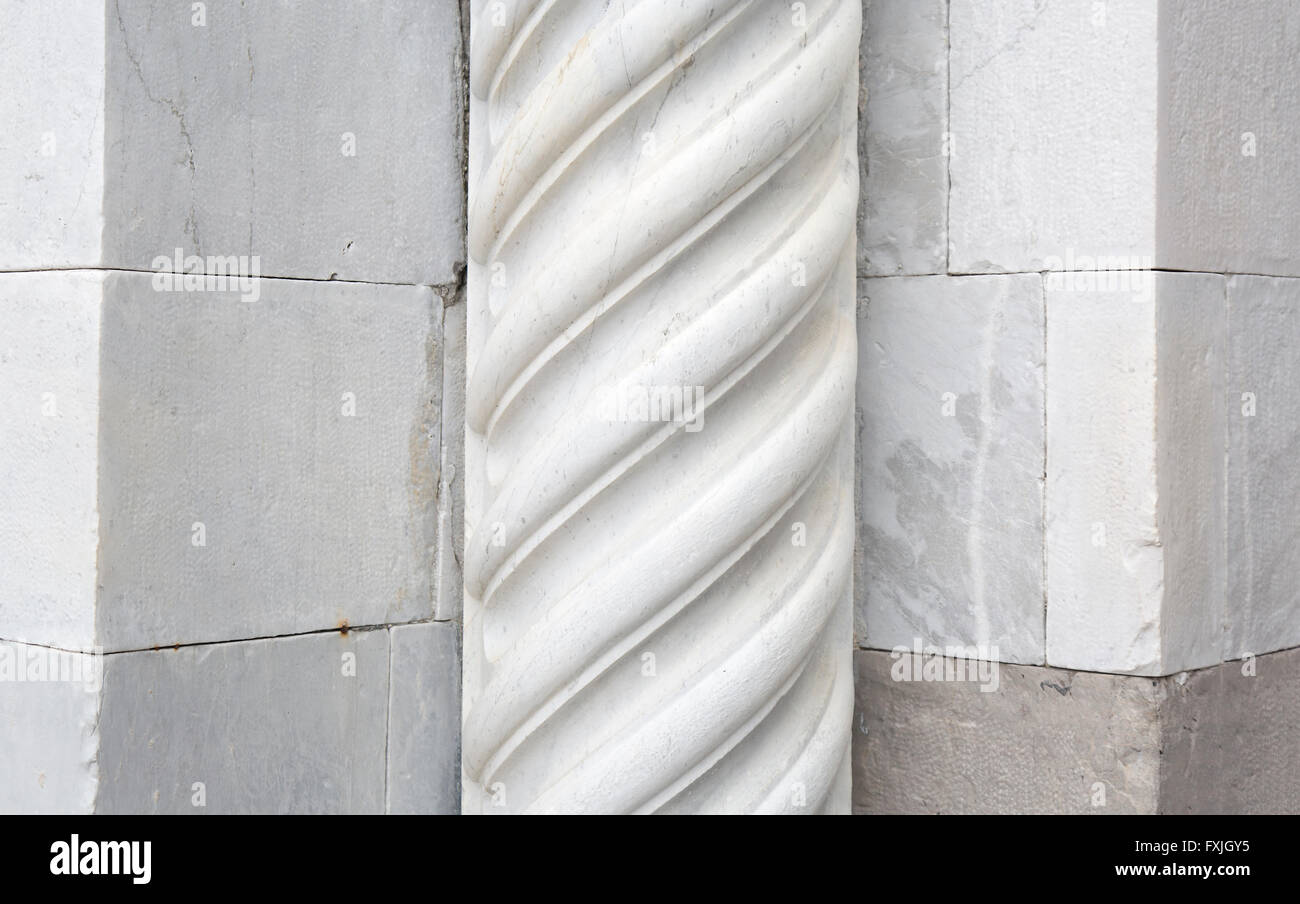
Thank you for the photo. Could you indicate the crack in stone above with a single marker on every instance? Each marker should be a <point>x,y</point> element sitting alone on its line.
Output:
<point>191,221</point>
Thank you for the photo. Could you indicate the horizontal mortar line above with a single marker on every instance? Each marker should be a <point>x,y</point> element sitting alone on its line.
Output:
<point>1066,668</point>
<point>162,648</point>
<point>451,286</point>
<point>969,273</point>
<point>1210,272</point>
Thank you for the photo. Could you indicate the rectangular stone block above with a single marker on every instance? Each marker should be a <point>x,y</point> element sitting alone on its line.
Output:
<point>950,421</point>
<point>52,60</point>
<point>1231,738</point>
<point>1054,132</point>
<point>49,713</point>
<point>1230,124</point>
<point>283,725</point>
<point>1135,483</point>
<point>326,143</point>
<point>1224,739</point>
<point>424,719</point>
<point>49,429</point>
<point>266,467</point>
<point>1263,482</point>
<point>1041,741</point>
<point>902,121</point>
<point>187,466</point>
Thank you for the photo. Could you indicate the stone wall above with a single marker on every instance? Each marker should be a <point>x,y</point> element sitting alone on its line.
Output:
<point>231,512</point>
<point>1077,314</point>
<point>237,499</point>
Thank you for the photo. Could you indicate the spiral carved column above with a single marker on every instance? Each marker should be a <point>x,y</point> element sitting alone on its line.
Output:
<point>662,356</point>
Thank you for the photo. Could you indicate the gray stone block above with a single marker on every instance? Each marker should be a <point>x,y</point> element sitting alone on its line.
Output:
<point>1229,128</point>
<point>1263,423</point>
<point>424,719</point>
<point>1224,739</point>
<point>236,416</point>
<point>138,126</point>
<point>950,478</point>
<point>1231,738</point>
<point>902,121</point>
<point>188,467</point>
<point>284,725</point>
<point>327,143</point>
<point>1045,741</point>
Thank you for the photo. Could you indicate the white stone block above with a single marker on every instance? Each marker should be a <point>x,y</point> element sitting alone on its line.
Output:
<point>1230,127</point>
<point>52,150</point>
<point>49,714</point>
<point>49,430</point>
<point>283,725</point>
<point>1135,448</point>
<point>1263,416</point>
<point>1054,136</point>
<point>950,407</point>
<point>902,120</point>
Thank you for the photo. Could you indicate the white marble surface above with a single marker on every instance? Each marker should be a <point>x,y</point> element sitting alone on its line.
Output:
<point>1135,476</point>
<point>52,156</point>
<point>661,195</point>
<point>950,436</point>
<point>1053,118</point>
<point>49,446</point>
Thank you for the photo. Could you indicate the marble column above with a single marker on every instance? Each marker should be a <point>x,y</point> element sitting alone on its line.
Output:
<point>659,407</point>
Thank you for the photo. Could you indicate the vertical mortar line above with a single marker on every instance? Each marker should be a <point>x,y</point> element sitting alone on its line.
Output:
<point>463,21</point>
<point>947,128</point>
<point>462,290</point>
<point>1224,633</point>
<point>388,718</point>
<point>1042,294</point>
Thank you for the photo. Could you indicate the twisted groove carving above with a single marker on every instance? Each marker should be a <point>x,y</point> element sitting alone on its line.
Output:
<point>662,194</point>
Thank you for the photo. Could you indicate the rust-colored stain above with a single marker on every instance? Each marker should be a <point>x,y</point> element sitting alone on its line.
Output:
<point>343,627</point>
